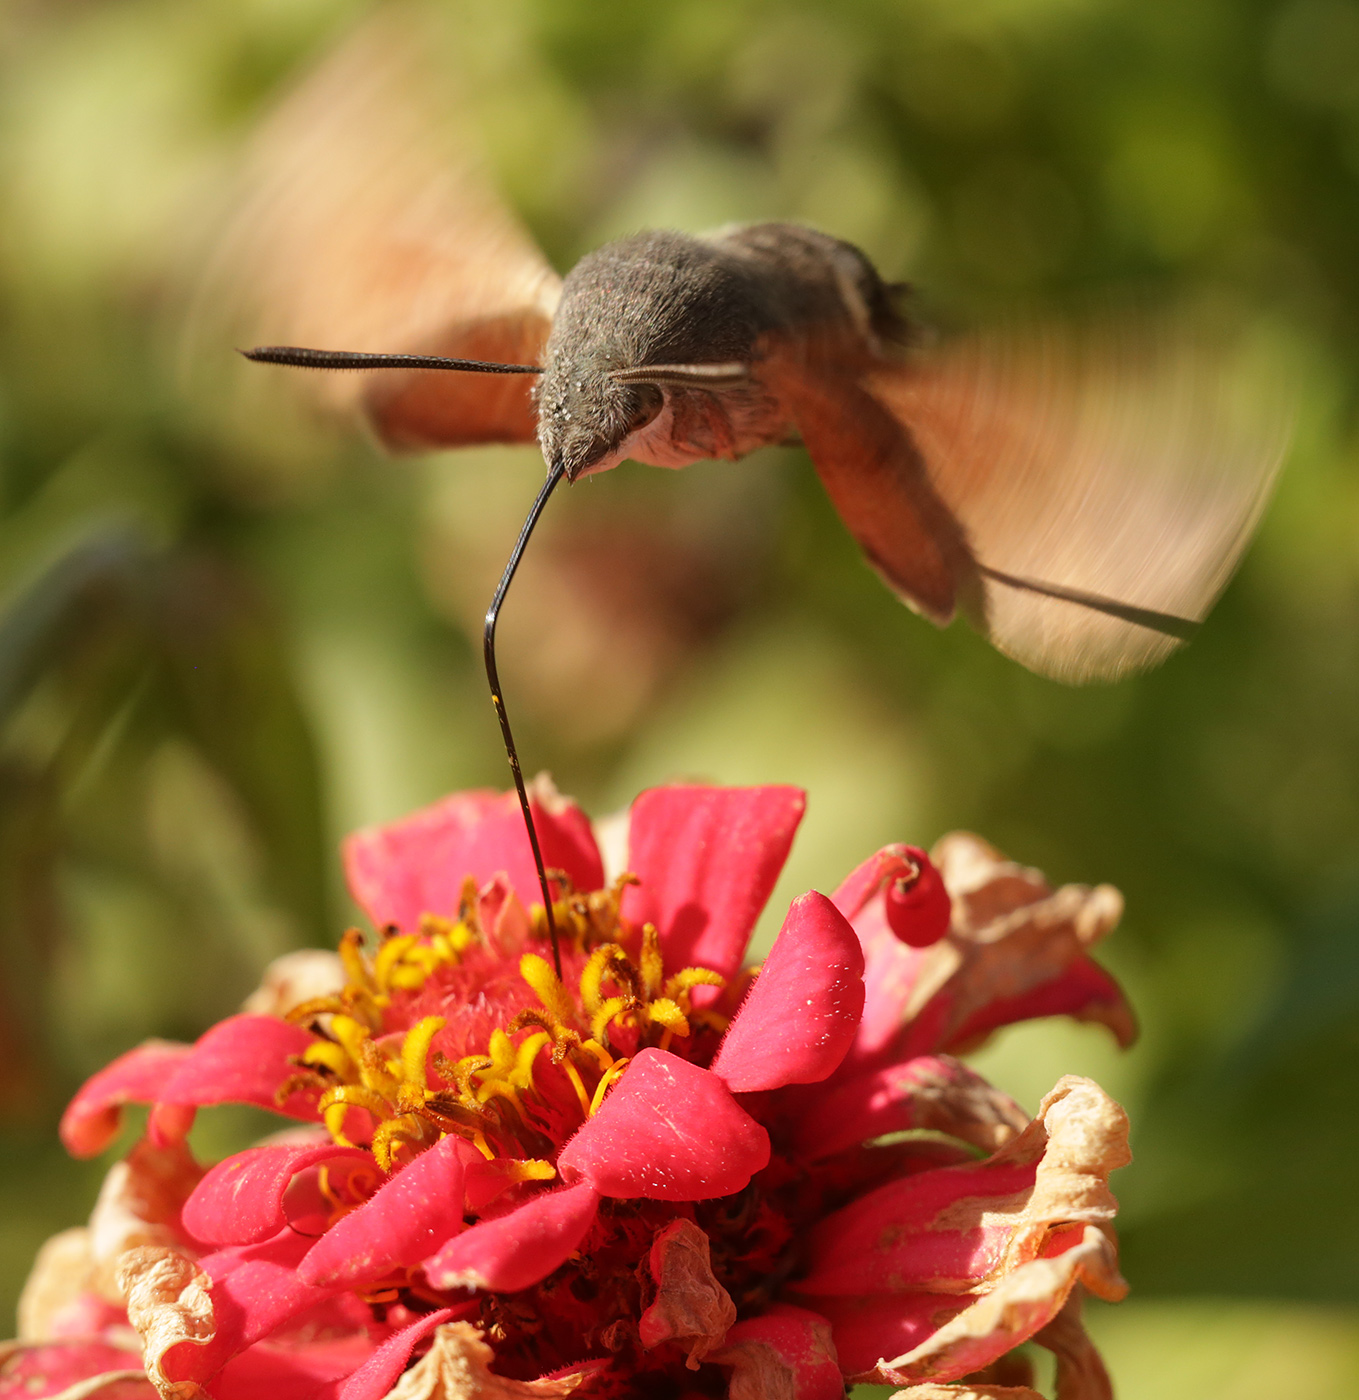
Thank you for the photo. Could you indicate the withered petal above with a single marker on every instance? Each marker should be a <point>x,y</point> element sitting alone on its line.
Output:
<point>1017,1307</point>
<point>691,1307</point>
<point>457,1367</point>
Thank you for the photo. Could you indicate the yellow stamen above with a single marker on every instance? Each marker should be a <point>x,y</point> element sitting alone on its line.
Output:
<point>665,1012</point>
<point>415,1049</point>
<point>653,968</point>
<point>354,963</point>
<point>607,959</point>
<point>529,1169</point>
<point>522,1074</point>
<point>316,1006</point>
<point>599,1022</point>
<point>605,1084</point>
<point>599,1052</point>
<point>578,1085</point>
<point>690,977</point>
<point>388,956</point>
<point>333,1057</point>
<point>387,1135</point>
<point>482,1146</point>
<point>548,986</point>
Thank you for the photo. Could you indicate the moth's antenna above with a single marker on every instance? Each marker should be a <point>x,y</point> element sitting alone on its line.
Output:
<point>358,359</point>
<point>555,474</point>
<point>1166,623</point>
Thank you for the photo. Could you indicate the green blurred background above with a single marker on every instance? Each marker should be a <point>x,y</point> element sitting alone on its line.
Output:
<point>228,637</point>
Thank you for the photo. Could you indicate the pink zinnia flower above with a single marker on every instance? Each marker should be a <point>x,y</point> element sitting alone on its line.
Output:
<point>657,1175</point>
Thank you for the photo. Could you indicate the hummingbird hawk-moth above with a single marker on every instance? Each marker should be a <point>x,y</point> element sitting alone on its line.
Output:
<point>1081,495</point>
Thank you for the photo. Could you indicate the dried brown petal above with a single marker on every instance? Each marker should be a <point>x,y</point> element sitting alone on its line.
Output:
<point>139,1205</point>
<point>1011,933</point>
<point>1019,1304</point>
<point>1080,1368</point>
<point>60,1274</point>
<point>168,1302</point>
<point>691,1307</point>
<point>1079,1136</point>
<point>781,1354</point>
<point>457,1367</point>
<point>956,1100</point>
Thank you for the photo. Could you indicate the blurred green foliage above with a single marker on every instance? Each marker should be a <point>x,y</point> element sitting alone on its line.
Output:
<point>227,638</point>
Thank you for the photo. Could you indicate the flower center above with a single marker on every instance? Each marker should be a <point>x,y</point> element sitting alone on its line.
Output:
<point>557,1047</point>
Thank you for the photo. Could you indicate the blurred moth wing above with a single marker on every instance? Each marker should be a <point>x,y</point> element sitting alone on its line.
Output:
<point>1105,479</point>
<point>365,223</point>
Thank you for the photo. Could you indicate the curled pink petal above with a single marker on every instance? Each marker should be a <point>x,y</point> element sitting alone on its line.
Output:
<point>784,1351</point>
<point>404,1222</point>
<point>669,1131</point>
<point>885,1324</point>
<point>91,1119</point>
<point>517,1250</point>
<point>707,859</point>
<point>1082,990</point>
<point>244,1059</point>
<point>800,1017</point>
<point>954,1229</point>
<point>930,1091</point>
<point>378,1374</point>
<point>915,902</point>
<point>923,1232</point>
<point>418,865</point>
<point>240,1201</point>
<point>252,1289</point>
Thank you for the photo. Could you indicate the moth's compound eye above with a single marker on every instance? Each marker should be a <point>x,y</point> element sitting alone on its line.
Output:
<point>647,410</point>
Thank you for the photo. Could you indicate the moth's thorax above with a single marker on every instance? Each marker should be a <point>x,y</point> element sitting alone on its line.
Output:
<point>670,299</point>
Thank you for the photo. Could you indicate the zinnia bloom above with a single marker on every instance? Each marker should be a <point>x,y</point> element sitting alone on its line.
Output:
<point>653,1175</point>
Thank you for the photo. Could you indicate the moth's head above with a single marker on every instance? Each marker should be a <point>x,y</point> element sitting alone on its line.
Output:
<point>585,415</point>
<point>638,319</point>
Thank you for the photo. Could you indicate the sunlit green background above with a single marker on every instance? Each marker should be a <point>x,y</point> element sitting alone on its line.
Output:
<point>227,639</point>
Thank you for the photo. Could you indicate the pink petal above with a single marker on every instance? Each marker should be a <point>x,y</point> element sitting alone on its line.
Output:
<point>867,1329</point>
<point>1083,990</point>
<point>785,1351</point>
<point>928,1091</point>
<point>379,1373</point>
<point>287,1371</point>
<point>799,1018</point>
<point>244,1059</point>
<point>900,1238</point>
<point>1010,1312</point>
<point>92,1118</point>
<point>405,1221</point>
<point>916,904</point>
<point>418,864</point>
<point>240,1201</point>
<point>255,1289</point>
<point>517,1250</point>
<point>38,1370</point>
<point>669,1131</point>
<point>707,858</point>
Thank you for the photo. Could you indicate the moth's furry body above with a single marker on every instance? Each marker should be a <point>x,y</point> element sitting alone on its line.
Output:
<point>1082,491</point>
<point>662,298</point>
